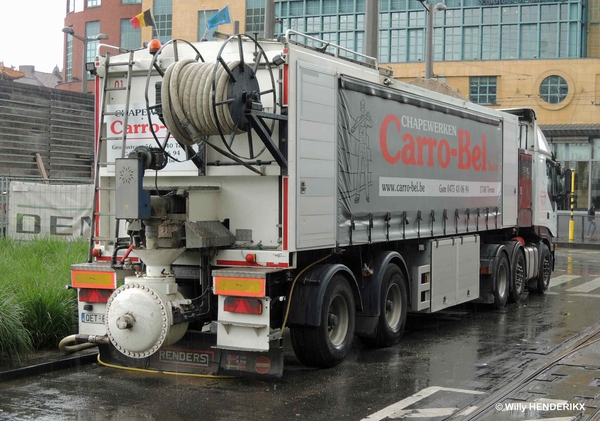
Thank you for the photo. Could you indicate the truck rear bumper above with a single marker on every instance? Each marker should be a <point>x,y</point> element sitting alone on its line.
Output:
<point>196,354</point>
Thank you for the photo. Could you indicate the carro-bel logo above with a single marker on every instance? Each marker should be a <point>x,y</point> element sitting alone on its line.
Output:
<point>428,150</point>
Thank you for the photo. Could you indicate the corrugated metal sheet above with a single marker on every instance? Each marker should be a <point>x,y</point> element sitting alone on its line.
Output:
<point>59,125</point>
<point>571,130</point>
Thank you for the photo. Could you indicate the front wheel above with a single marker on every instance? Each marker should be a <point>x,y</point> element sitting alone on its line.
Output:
<point>328,345</point>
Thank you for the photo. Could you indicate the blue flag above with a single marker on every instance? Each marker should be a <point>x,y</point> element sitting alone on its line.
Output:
<point>220,18</point>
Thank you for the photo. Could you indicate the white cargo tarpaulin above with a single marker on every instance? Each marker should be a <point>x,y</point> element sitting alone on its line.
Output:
<point>41,210</point>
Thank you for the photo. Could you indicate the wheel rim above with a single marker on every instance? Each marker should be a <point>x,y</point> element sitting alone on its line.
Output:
<point>393,306</point>
<point>338,320</point>
<point>502,281</point>
<point>519,276</point>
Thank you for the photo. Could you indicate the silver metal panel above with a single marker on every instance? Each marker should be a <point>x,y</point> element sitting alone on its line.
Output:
<point>315,168</point>
<point>454,271</point>
<point>510,170</point>
<point>131,201</point>
<point>468,269</point>
<point>421,291</point>
<point>205,234</point>
<point>316,157</point>
<point>443,274</point>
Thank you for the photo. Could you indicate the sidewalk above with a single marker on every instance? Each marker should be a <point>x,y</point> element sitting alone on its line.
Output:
<point>46,361</point>
<point>578,243</point>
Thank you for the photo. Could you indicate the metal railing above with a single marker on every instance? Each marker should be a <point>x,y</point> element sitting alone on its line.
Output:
<point>581,227</point>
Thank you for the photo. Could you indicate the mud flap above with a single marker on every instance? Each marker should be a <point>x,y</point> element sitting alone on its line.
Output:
<point>196,354</point>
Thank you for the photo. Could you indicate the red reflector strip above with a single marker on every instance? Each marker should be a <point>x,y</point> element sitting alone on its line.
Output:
<point>286,84</point>
<point>243,305</point>
<point>485,270</point>
<point>94,280</point>
<point>94,295</point>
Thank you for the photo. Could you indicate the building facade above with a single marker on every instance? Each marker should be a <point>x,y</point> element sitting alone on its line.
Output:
<point>499,53</point>
<point>88,18</point>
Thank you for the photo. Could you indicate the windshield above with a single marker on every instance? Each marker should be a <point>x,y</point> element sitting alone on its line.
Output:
<point>542,142</point>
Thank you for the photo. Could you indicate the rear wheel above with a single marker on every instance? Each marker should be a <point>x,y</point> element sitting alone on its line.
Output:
<point>328,345</point>
<point>518,277</point>
<point>392,312</point>
<point>501,279</point>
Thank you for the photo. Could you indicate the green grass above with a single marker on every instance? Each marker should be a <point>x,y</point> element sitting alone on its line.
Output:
<point>34,304</point>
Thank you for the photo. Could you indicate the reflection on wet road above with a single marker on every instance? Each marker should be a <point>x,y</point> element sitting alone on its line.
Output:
<point>472,348</point>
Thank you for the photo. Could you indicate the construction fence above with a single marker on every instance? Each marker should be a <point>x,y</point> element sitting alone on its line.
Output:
<point>32,208</point>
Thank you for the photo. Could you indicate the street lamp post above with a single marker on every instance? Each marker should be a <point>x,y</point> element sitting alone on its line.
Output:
<point>429,36</point>
<point>69,31</point>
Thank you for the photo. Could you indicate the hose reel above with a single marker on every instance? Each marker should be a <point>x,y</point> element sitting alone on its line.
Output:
<point>202,99</point>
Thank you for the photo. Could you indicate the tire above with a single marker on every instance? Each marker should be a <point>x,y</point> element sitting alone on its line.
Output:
<point>501,280</point>
<point>393,306</point>
<point>517,286</point>
<point>543,279</point>
<point>328,345</point>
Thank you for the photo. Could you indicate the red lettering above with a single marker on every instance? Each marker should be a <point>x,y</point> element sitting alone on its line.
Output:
<point>476,157</point>
<point>431,144</point>
<point>113,127</point>
<point>408,150</point>
<point>421,143</point>
<point>464,146</point>
<point>444,145</point>
<point>484,149</point>
<point>414,148</point>
<point>383,138</point>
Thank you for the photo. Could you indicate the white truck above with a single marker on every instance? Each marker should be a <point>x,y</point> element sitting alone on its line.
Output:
<point>247,187</point>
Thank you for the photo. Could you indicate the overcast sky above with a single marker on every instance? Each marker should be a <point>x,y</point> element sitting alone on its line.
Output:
<point>30,31</point>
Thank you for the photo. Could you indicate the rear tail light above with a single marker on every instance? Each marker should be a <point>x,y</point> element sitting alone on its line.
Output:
<point>243,305</point>
<point>94,295</point>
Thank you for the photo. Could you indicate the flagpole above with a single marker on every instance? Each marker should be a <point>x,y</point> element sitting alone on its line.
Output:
<point>204,36</point>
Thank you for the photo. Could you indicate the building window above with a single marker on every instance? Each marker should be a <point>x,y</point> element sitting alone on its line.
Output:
<point>554,89</point>
<point>91,30</point>
<point>131,39</point>
<point>131,1</point>
<point>516,31</point>
<point>163,18</point>
<point>69,54</point>
<point>70,6</point>
<point>482,89</point>
<point>577,156</point>
<point>93,3</point>
<point>203,32</point>
<point>255,17</point>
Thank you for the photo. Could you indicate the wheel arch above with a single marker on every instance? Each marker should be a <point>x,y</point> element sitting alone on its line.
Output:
<point>307,298</point>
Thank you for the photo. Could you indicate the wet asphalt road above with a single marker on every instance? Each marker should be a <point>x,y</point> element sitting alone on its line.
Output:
<point>472,350</point>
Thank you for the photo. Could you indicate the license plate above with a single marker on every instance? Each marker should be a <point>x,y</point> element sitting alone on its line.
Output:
<point>96,318</point>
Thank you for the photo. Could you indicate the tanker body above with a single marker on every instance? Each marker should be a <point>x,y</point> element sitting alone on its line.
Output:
<point>247,187</point>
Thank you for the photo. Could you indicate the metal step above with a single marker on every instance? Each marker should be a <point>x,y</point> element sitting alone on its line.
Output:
<point>237,348</point>
<point>241,324</point>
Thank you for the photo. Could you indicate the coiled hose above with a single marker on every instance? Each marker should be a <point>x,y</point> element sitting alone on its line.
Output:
<point>187,101</point>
